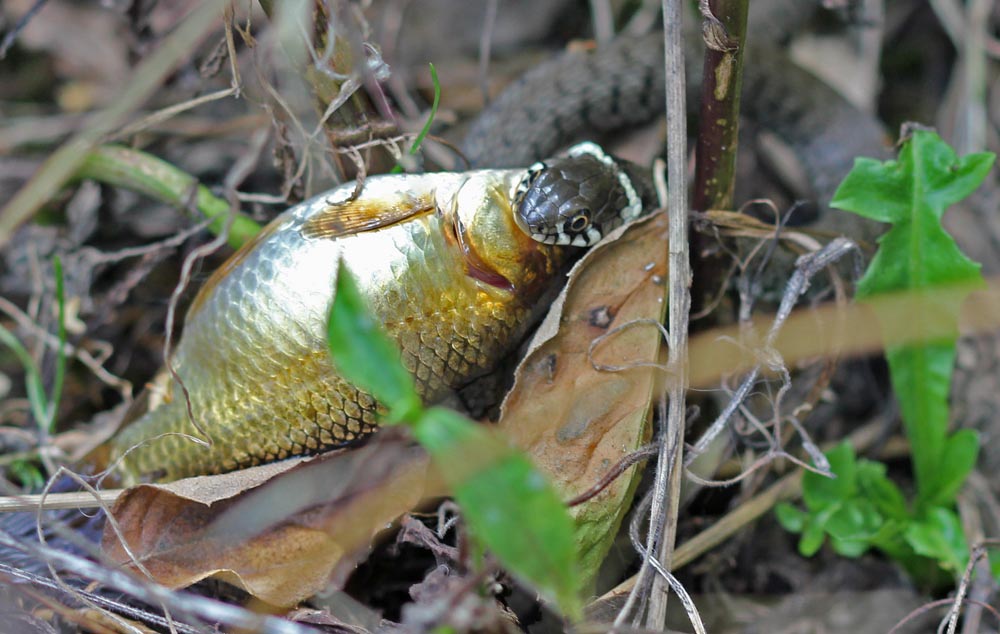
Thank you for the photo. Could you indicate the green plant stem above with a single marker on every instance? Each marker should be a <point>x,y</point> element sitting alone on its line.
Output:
<point>145,174</point>
<point>32,376</point>
<point>415,146</point>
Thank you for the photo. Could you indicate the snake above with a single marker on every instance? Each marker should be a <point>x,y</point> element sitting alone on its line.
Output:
<point>582,93</point>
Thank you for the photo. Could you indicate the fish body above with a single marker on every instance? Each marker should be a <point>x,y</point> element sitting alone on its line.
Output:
<point>444,268</point>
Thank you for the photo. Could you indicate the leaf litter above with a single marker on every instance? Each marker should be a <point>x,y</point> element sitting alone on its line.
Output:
<point>804,337</point>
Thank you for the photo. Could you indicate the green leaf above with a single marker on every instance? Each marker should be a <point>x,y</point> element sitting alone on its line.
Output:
<point>852,548</point>
<point>889,539</point>
<point>928,173</point>
<point>365,355</point>
<point>958,459</point>
<point>873,485</point>
<point>30,476</point>
<point>856,519</point>
<point>915,255</point>
<point>815,531</point>
<point>32,377</point>
<point>939,536</point>
<point>921,379</point>
<point>507,503</point>
<point>820,491</point>
<point>792,519</point>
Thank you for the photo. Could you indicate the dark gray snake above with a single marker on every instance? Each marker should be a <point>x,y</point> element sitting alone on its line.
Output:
<point>579,94</point>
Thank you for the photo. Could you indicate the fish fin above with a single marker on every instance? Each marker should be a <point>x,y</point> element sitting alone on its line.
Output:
<point>364,214</point>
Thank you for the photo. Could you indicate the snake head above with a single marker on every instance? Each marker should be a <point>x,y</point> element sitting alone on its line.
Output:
<point>575,198</point>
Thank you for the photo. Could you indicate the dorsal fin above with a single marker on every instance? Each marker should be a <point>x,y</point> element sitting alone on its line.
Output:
<point>365,214</point>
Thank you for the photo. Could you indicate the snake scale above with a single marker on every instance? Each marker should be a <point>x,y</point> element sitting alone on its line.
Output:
<point>622,84</point>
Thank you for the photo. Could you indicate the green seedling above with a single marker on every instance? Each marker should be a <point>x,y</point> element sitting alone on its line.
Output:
<point>862,508</point>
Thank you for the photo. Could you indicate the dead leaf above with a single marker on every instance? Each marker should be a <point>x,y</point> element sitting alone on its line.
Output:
<point>575,421</point>
<point>283,531</point>
<point>280,531</point>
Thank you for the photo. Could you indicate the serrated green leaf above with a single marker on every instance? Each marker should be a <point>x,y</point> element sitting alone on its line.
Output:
<point>819,491</point>
<point>928,172</point>
<point>365,355</point>
<point>921,379</point>
<point>915,255</point>
<point>792,519</point>
<point>939,536</point>
<point>507,503</point>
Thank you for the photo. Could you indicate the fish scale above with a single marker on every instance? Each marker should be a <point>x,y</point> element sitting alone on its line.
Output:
<point>253,354</point>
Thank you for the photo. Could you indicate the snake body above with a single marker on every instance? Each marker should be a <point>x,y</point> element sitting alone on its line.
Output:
<point>582,93</point>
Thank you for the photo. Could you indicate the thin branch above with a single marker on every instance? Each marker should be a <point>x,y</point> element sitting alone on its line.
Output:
<point>724,34</point>
<point>807,267</point>
<point>669,471</point>
<point>181,602</point>
<point>485,44</point>
<point>55,501</point>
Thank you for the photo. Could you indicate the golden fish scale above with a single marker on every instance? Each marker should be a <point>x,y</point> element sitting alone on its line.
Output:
<point>253,354</point>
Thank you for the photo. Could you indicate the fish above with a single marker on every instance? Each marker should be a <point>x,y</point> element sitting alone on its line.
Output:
<point>454,266</point>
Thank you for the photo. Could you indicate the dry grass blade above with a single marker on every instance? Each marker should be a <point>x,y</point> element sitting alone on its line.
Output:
<point>54,501</point>
<point>666,496</point>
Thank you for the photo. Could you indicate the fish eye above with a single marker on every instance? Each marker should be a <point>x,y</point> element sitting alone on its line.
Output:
<point>580,221</point>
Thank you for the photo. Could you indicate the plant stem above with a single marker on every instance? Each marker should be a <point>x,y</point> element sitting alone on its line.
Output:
<point>352,106</point>
<point>718,128</point>
<point>669,467</point>
<point>144,173</point>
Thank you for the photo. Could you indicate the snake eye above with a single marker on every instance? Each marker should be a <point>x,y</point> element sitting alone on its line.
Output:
<point>580,221</point>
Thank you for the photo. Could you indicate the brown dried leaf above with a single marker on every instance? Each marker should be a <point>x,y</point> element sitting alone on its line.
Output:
<point>280,531</point>
<point>575,421</point>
